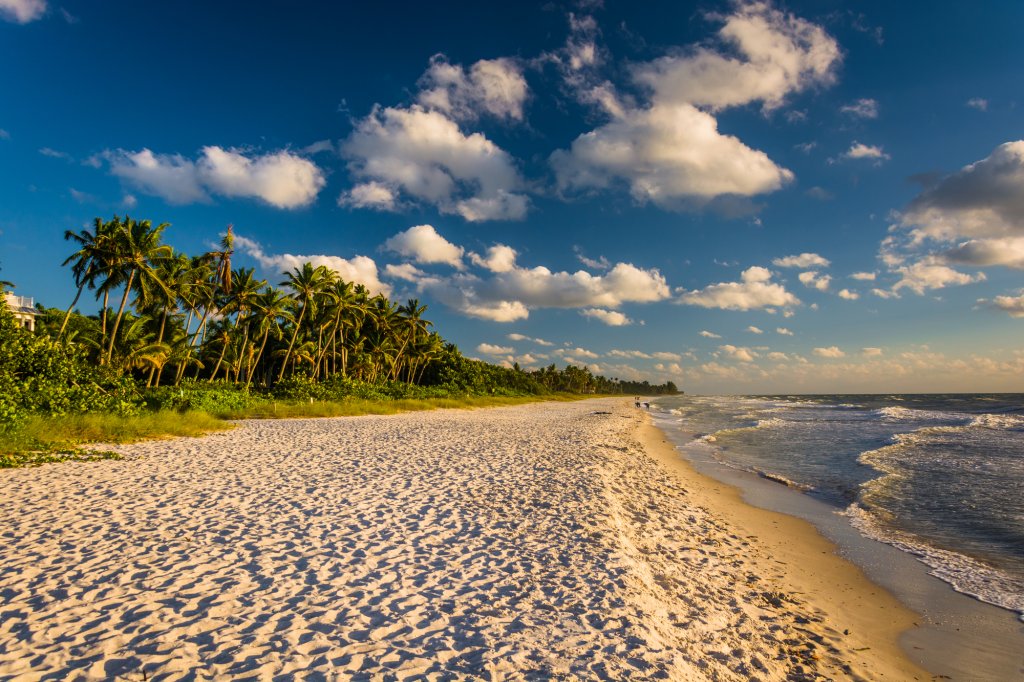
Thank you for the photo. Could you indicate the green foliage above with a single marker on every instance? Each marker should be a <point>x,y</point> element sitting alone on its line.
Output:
<point>42,376</point>
<point>213,398</point>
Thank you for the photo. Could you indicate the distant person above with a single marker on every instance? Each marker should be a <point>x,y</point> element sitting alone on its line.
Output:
<point>647,406</point>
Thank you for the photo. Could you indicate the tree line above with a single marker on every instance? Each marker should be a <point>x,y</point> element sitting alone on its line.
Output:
<point>167,318</point>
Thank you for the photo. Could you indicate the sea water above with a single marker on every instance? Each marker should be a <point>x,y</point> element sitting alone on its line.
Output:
<point>939,476</point>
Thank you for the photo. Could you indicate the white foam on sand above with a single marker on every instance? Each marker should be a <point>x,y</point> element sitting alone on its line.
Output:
<point>534,541</point>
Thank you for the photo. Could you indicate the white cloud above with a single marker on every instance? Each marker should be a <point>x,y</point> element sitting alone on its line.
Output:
<point>755,290</point>
<point>129,201</point>
<point>862,108</point>
<point>500,311</point>
<point>984,199</point>
<point>859,150</point>
<point>612,318</point>
<point>493,86</point>
<point>423,244</point>
<point>521,337</point>
<point>406,271</point>
<point>281,178</point>
<point>978,103</point>
<point>863,276</point>
<point>22,11</point>
<point>776,356</point>
<point>738,353</point>
<point>359,270</point>
<point>803,260</point>
<point>848,295</point>
<point>670,152</point>
<point>814,280</point>
<point>1014,305</point>
<point>500,258</point>
<point>710,335</point>
<point>768,55</point>
<point>1006,251</point>
<point>783,331</point>
<point>927,274</point>
<point>577,352</point>
<point>870,352</point>
<point>373,195</point>
<point>754,330</point>
<point>491,349</point>
<point>601,263</point>
<point>423,154</point>
<point>830,352</point>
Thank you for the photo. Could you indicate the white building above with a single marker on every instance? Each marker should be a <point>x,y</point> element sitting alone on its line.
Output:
<point>23,308</point>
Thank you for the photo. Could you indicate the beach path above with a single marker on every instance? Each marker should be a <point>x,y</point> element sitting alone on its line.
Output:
<point>535,541</point>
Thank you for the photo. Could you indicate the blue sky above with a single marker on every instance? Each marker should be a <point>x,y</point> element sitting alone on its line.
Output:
<point>737,196</point>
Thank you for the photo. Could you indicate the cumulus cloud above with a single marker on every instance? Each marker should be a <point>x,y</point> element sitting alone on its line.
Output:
<point>522,337</point>
<point>978,103</point>
<point>373,195</point>
<point>1006,251</point>
<point>406,271</point>
<point>755,330</point>
<point>783,331</point>
<point>359,270</point>
<point>830,352</point>
<point>803,260</point>
<point>499,258</point>
<point>22,11</point>
<point>870,352</point>
<point>423,244</point>
<point>577,352</point>
<point>927,274</point>
<point>862,108</point>
<point>984,199</point>
<point>709,335</point>
<point>859,150</point>
<point>509,295</point>
<point>492,86</point>
<point>423,154</point>
<point>815,280</point>
<point>612,318</point>
<point>754,290</point>
<point>738,353</point>
<point>864,276</point>
<point>669,151</point>
<point>281,179</point>
<point>491,349</point>
<point>1014,305</point>
<point>848,295</point>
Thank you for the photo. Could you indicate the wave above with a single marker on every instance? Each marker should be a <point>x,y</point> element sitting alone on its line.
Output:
<point>965,574</point>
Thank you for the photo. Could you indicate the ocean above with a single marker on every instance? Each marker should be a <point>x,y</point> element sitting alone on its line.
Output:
<point>938,476</point>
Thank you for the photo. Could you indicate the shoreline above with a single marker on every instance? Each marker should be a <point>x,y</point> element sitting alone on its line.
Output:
<point>953,635</point>
<point>873,618</point>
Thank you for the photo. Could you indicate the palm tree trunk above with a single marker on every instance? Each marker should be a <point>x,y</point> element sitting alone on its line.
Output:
<point>120,313</point>
<point>159,339</point>
<point>67,315</point>
<point>259,355</point>
<point>291,344</point>
<point>103,323</point>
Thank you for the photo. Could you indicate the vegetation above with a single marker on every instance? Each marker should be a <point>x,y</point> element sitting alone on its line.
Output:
<point>194,333</point>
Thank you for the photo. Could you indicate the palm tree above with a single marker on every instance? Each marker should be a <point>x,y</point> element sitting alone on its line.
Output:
<point>136,245</point>
<point>88,261</point>
<point>270,306</point>
<point>306,282</point>
<point>245,289</point>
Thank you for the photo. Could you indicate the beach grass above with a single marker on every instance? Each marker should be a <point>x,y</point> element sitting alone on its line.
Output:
<point>44,439</point>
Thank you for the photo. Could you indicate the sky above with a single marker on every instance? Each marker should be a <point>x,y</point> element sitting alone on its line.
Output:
<point>741,197</point>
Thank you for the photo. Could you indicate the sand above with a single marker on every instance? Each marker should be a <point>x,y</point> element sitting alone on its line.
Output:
<point>535,542</point>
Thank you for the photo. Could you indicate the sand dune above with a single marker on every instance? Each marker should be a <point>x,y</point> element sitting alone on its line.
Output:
<point>528,542</point>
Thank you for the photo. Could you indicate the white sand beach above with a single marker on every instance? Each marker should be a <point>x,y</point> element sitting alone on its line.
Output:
<point>538,541</point>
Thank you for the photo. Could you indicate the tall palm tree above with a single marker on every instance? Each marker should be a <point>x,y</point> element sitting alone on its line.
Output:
<point>306,282</point>
<point>88,261</point>
<point>245,289</point>
<point>269,307</point>
<point>136,246</point>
